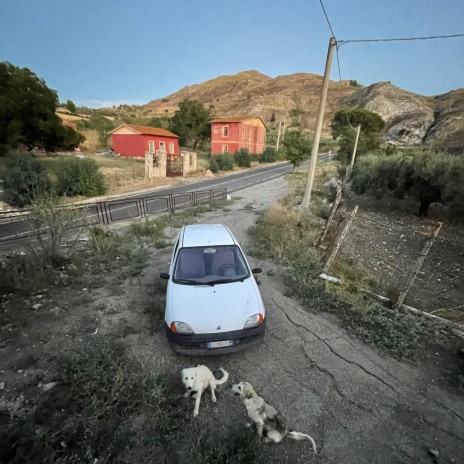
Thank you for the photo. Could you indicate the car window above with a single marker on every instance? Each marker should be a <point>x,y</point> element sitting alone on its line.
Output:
<point>210,265</point>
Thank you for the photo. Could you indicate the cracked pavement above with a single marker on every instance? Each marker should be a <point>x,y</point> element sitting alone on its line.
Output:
<point>359,405</point>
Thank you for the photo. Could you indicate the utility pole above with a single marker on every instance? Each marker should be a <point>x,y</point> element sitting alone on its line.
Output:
<point>358,129</point>
<point>320,116</point>
<point>278,136</point>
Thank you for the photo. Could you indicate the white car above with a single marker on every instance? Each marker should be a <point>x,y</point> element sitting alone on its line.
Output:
<point>213,304</point>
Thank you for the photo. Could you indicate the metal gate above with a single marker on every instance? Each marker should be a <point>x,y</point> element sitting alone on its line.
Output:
<point>174,166</point>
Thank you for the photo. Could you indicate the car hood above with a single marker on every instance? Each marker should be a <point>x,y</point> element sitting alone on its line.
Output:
<point>218,308</point>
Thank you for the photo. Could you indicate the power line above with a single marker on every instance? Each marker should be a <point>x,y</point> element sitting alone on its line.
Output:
<point>400,39</point>
<point>327,18</point>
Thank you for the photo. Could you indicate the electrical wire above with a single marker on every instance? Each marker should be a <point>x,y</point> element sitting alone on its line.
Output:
<point>327,18</point>
<point>400,39</point>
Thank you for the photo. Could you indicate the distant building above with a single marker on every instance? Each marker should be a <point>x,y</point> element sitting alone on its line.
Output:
<point>134,141</point>
<point>229,134</point>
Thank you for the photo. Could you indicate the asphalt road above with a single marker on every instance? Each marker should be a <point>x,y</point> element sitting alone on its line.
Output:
<point>125,207</point>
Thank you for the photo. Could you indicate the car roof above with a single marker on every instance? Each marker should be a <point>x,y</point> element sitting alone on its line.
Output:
<point>195,235</point>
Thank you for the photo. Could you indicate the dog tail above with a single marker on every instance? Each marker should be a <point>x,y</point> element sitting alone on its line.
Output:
<point>225,376</point>
<point>302,436</point>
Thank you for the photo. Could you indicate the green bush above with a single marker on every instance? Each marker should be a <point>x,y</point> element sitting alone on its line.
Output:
<point>269,155</point>
<point>225,162</point>
<point>80,177</point>
<point>242,158</point>
<point>213,164</point>
<point>24,179</point>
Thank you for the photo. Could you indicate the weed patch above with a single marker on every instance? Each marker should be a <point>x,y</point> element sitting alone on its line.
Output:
<point>103,405</point>
<point>286,236</point>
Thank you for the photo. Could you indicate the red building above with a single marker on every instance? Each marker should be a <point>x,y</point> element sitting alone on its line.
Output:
<point>232,133</point>
<point>134,141</point>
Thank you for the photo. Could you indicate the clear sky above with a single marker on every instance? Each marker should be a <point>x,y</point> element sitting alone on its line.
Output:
<point>109,52</point>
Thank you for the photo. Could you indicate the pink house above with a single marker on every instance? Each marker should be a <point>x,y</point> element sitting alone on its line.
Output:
<point>133,141</point>
<point>229,134</point>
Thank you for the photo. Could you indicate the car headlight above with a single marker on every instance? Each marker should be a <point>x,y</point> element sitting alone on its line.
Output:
<point>253,321</point>
<point>181,327</point>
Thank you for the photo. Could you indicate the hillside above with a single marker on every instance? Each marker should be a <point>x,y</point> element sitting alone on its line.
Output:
<point>411,118</point>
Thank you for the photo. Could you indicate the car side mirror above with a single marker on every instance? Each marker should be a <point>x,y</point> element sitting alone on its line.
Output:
<point>164,276</point>
<point>257,270</point>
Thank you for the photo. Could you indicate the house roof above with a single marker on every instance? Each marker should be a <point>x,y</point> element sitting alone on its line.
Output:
<point>145,130</point>
<point>237,119</point>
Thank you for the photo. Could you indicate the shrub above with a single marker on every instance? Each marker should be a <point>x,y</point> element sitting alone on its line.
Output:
<point>242,158</point>
<point>24,179</point>
<point>269,155</point>
<point>213,164</point>
<point>80,177</point>
<point>225,162</point>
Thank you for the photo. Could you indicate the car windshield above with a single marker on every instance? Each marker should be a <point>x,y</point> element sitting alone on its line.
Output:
<point>210,265</point>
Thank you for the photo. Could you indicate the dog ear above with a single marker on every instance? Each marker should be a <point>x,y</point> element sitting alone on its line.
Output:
<point>248,394</point>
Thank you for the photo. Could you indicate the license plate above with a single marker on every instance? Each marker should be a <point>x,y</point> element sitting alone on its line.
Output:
<point>219,344</point>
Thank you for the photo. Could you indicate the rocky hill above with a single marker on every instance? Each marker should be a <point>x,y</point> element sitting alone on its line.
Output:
<point>411,118</point>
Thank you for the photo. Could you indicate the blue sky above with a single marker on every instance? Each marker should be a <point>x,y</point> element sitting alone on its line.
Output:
<point>105,52</point>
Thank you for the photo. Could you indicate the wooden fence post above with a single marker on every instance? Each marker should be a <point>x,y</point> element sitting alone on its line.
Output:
<point>419,263</point>
<point>340,240</point>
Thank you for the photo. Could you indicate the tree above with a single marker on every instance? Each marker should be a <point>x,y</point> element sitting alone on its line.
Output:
<point>103,126</point>
<point>191,122</point>
<point>426,177</point>
<point>71,107</point>
<point>273,118</point>
<point>296,145</point>
<point>343,125</point>
<point>27,112</point>
<point>296,148</point>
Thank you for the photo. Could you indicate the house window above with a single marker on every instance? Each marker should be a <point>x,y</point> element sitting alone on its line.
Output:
<point>225,131</point>
<point>151,146</point>
<point>250,135</point>
<point>243,133</point>
<point>162,146</point>
<point>225,149</point>
<point>171,148</point>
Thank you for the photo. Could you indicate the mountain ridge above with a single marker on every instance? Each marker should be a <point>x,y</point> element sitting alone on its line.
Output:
<point>411,118</point>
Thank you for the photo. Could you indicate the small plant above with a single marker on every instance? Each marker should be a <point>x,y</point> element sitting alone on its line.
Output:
<point>51,219</point>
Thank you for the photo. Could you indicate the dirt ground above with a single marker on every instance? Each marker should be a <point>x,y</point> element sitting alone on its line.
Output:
<point>359,405</point>
<point>385,242</point>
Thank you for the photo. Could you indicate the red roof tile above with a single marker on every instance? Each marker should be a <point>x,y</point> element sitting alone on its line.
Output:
<point>145,130</point>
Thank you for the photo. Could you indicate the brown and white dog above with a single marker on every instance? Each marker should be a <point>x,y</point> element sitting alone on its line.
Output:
<point>270,424</point>
<point>197,379</point>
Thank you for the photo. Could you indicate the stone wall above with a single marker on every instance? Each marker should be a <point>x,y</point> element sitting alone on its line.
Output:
<point>155,164</point>
<point>189,162</point>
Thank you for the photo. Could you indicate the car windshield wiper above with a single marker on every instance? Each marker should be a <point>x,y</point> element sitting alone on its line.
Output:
<point>225,281</point>
<point>190,282</point>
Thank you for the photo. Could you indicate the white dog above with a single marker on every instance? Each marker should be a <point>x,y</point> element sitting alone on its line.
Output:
<point>270,424</point>
<point>197,379</point>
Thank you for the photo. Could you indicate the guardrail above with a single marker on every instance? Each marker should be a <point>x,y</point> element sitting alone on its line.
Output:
<point>17,224</point>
